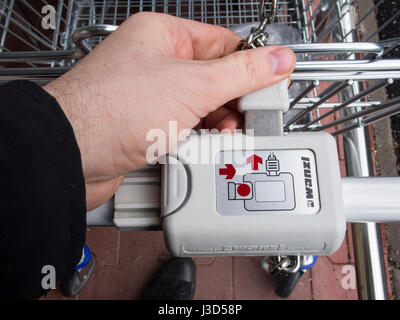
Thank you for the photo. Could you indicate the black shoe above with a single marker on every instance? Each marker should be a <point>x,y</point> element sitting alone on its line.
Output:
<point>73,282</point>
<point>175,281</point>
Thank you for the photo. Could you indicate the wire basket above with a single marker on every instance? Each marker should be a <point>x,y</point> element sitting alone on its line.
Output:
<point>342,64</point>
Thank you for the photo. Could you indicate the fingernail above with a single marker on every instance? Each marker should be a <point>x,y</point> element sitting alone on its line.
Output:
<point>281,60</point>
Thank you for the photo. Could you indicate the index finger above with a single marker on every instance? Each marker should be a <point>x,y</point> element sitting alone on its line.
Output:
<point>210,41</point>
<point>193,39</point>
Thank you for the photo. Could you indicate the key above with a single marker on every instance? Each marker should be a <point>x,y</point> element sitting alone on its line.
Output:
<point>263,109</point>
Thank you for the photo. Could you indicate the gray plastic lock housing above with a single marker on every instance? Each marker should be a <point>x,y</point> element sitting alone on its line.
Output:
<point>273,98</point>
<point>259,212</point>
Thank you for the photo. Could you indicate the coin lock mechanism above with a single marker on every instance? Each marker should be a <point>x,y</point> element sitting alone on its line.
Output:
<point>281,196</point>
<point>262,194</point>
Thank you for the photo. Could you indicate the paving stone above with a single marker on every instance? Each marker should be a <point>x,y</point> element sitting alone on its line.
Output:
<point>122,282</point>
<point>134,244</point>
<point>104,242</point>
<point>385,260</point>
<point>342,254</point>
<point>214,278</point>
<point>204,260</point>
<point>251,282</point>
<point>370,133</point>
<point>56,295</point>
<point>327,281</point>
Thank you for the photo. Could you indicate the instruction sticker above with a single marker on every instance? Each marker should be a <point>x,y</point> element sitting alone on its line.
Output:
<point>266,181</point>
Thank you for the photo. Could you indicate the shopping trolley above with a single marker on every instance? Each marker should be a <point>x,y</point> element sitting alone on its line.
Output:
<point>341,68</point>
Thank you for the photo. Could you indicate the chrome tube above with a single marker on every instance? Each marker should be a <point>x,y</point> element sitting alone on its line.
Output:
<point>351,65</point>
<point>78,36</point>
<point>336,48</point>
<point>39,56</point>
<point>301,73</point>
<point>371,276</point>
<point>371,199</point>
<point>343,76</point>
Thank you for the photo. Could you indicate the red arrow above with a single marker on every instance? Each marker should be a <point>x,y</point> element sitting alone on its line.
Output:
<point>229,171</point>
<point>254,160</point>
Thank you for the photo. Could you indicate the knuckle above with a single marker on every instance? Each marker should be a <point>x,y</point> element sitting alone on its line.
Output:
<point>252,68</point>
<point>143,17</point>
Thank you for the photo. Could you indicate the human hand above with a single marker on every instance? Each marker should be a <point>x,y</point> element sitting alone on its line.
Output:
<point>153,69</point>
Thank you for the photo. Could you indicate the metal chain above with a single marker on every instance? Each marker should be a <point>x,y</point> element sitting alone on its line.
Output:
<point>278,264</point>
<point>258,37</point>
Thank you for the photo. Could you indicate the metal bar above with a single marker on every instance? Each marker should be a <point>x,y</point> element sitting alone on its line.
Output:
<point>371,277</point>
<point>306,91</point>
<point>38,36</point>
<point>342,76</point>
<point>371,199</point>
<point>381,115</point>
<point>390,48</point>
<point>296,76</point>
<point>350,65</point>
<point>324,34</point>
<point>326,16</point>
<point>6,25</point>
<point>337,48</point>
<point>38,56</point>
<point>308,102</point>
<point>264,122</point>
<point>356,97</point>
<point>8,74</point>
<point>304,18</point>
<point>368,120</point>
<point>337,88</point>
<point>22,40</point>
<point>326,91</point>
<point>356,115</point>
<point>366,15</point>
<point>384,25</point>
<point>98,30</point>
<point>313,30</point>
<point>68,24</point>
<point>128,9</point>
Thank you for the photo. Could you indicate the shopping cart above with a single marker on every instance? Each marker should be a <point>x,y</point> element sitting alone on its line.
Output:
<point>341,69</point>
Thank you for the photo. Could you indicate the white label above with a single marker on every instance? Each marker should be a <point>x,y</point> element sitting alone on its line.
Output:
<point>270,191</point>
<point>266,181</point>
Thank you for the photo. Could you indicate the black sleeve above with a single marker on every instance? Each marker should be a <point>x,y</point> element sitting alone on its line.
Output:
<point>42,190</point>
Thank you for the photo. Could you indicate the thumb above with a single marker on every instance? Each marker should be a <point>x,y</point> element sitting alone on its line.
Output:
<point>245,71</point>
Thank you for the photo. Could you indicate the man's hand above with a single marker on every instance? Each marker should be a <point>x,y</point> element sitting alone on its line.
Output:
<point>153,69</point>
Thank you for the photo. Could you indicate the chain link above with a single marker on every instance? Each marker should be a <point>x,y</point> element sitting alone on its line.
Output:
<point>258,37</point>
<point>278,264</point>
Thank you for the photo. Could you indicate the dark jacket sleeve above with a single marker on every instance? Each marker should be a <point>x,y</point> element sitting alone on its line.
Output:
<point>42,190</point>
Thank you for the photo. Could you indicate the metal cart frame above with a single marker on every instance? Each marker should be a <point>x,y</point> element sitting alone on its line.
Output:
<point>329,28</point>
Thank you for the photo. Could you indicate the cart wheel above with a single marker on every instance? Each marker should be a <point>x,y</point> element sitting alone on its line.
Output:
<point>287,282</point>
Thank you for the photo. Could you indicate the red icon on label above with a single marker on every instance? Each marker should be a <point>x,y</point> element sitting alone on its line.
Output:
<point>243,190</point>
<point>229,171</point>
<point>254,160</point>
